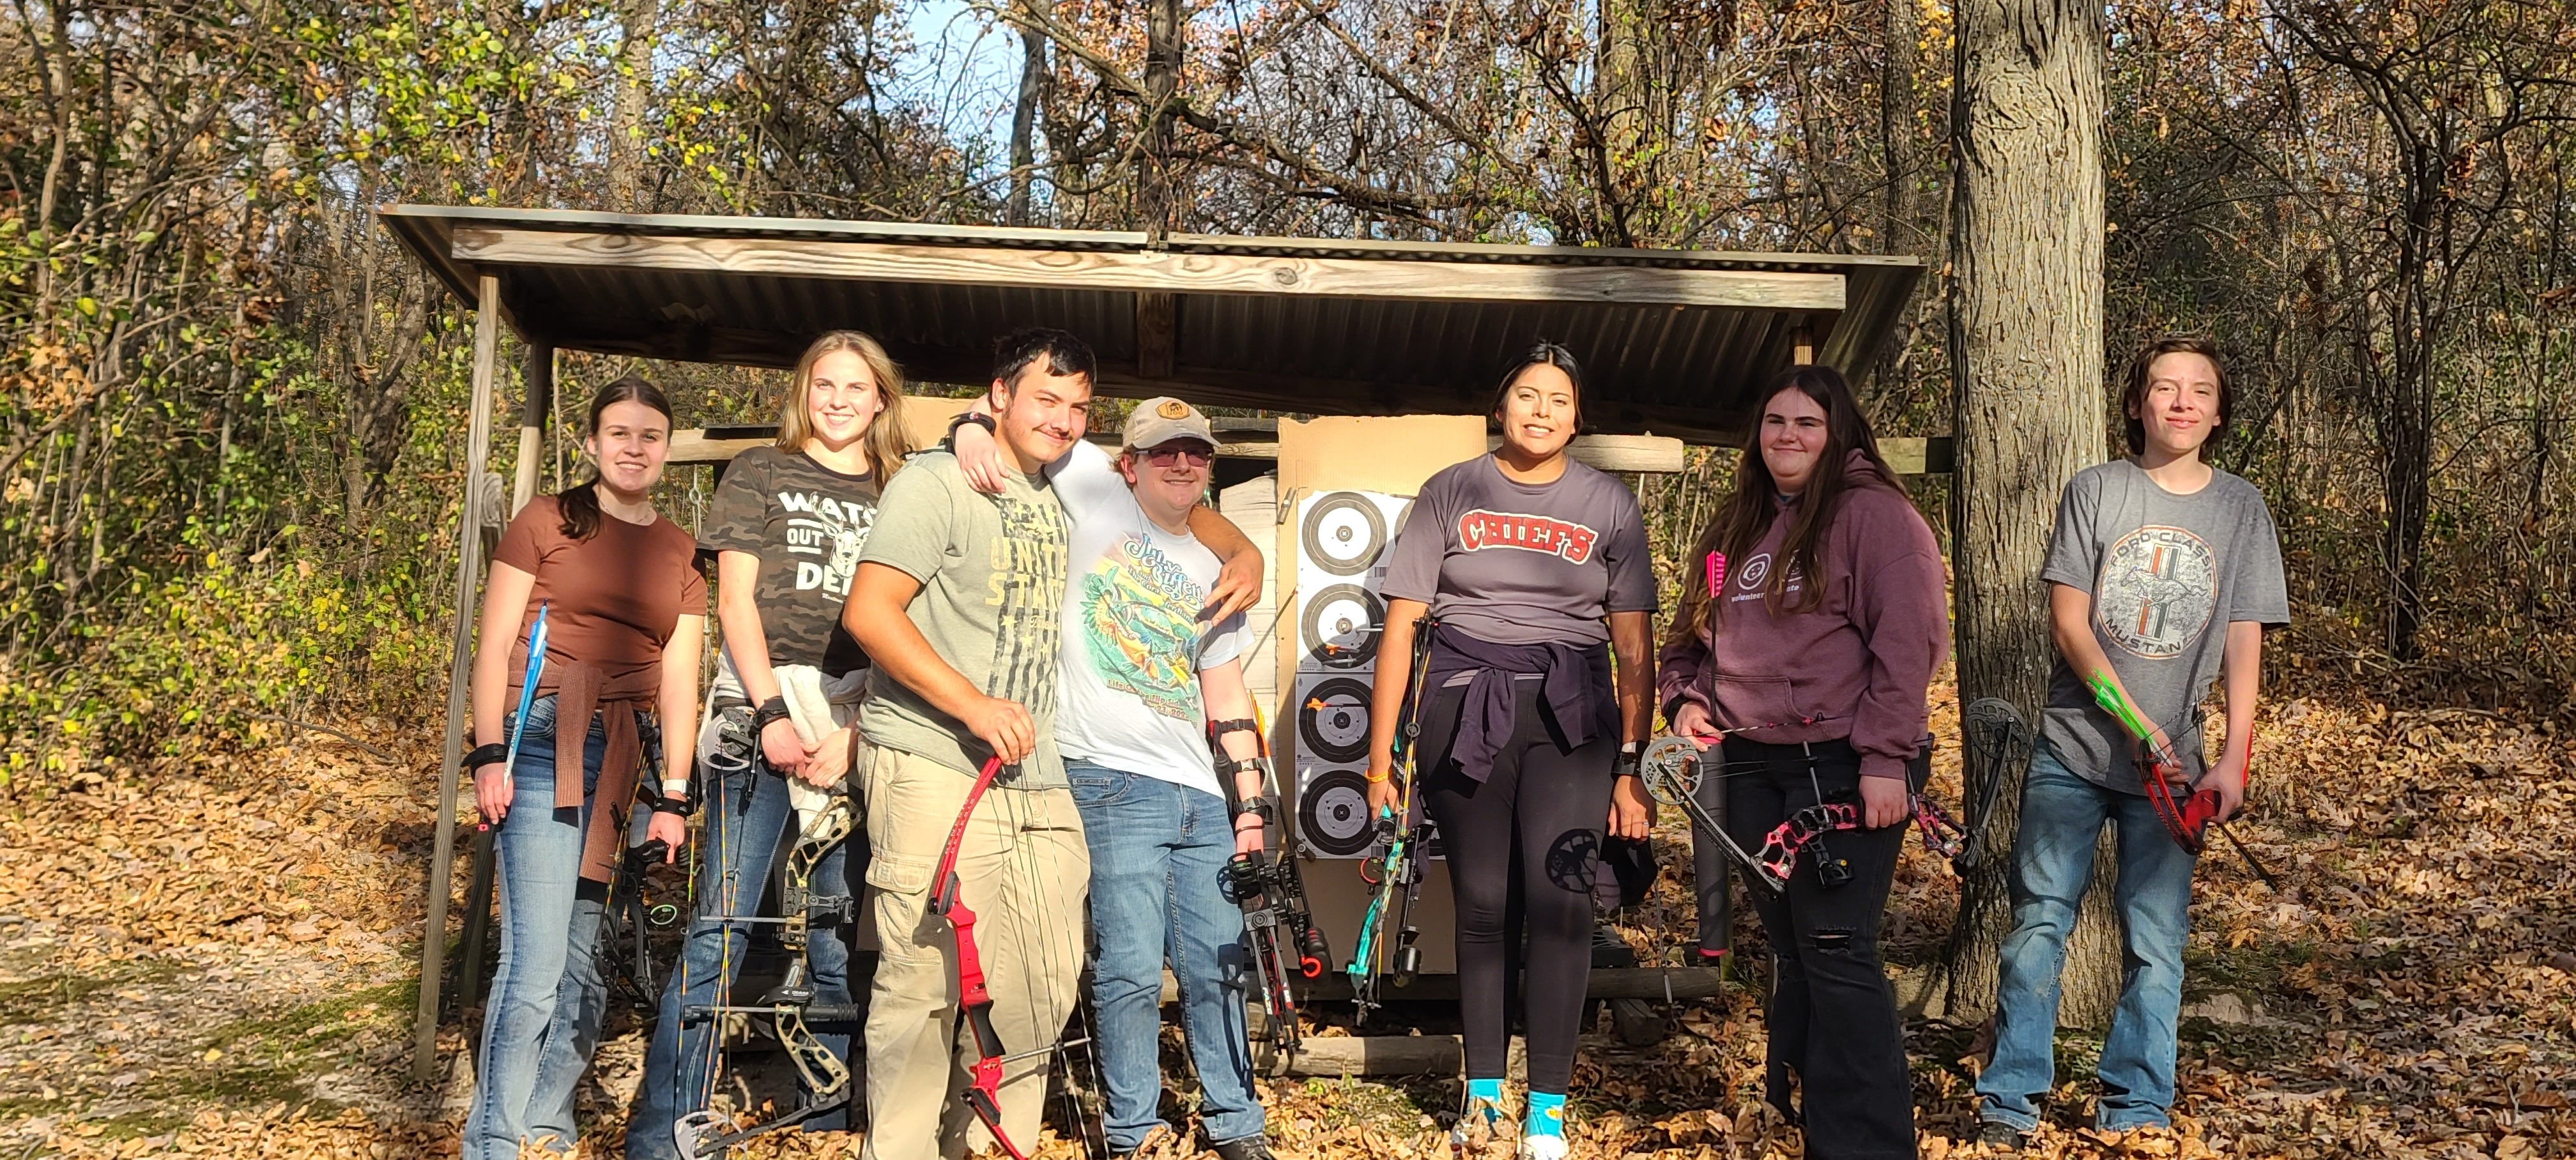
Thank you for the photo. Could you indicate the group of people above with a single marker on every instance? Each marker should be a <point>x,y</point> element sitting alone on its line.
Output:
<point>1012,668</point>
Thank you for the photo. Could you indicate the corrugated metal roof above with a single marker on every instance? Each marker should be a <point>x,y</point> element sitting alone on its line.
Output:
<point>1685,370</point>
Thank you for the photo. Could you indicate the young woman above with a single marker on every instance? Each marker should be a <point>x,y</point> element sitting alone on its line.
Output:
<point>623,601</point>
<point>786,529</point>
<point>1528,565</point>
<point>1831,620</point>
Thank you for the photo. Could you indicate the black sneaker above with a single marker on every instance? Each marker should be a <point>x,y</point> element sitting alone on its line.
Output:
<point>1247,1148</point>
<point>2003,1137</point>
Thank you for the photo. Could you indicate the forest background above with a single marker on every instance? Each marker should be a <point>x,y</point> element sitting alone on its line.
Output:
<point>232,414</point>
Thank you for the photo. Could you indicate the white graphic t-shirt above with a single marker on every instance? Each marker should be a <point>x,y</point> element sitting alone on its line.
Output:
<point>1132,646</point>
<point>2167,573</point>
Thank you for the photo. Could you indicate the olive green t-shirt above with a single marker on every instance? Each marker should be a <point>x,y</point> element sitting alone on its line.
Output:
<point>991,569</point>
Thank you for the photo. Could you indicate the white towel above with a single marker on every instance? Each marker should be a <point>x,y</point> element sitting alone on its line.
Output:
<point>815,705</point>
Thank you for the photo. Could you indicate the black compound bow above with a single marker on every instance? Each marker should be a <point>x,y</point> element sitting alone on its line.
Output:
<point>1272,893</point>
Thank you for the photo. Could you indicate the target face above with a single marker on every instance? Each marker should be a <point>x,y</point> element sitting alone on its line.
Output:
<point>1344,533</point>
<point>1333,720</point>
<point>1333,814</point>
<point>1341,625</point>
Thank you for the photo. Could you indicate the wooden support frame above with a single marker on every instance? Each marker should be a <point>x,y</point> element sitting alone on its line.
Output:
<point>469,569</point>
<point>1166,272</point>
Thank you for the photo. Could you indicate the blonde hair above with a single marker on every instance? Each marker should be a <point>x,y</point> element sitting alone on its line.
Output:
<point>885,439</point>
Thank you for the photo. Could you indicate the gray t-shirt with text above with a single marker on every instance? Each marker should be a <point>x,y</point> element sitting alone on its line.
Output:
<point>2168,573</point>
<point>992,588</point>
<point>1523,563</point>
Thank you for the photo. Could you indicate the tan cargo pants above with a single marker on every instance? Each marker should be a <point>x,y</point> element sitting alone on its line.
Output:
<point>1025,871</point>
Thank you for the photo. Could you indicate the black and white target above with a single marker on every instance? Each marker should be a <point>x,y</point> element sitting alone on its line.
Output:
<point>1341,626</point>
<point>1333,720</point>
<point>1344,533</point>
<point>1333,813</point>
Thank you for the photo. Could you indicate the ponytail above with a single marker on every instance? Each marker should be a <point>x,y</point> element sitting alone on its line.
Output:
<point>579,505</point>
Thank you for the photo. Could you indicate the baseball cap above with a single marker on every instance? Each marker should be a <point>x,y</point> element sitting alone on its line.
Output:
<point>1161,419</point>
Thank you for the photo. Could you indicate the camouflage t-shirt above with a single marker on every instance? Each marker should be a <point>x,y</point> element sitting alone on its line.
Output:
<point>991,569</point>
<point>807,523</point>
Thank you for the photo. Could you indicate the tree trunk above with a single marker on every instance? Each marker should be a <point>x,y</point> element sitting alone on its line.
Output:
<point>2027,363</point>
<point>1024,119</point>
<point>1900,33</point>
<point>626,115</point>
<point>1162,76</point>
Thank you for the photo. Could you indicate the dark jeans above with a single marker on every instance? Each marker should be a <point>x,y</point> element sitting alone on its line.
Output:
<point>1832,1014</point>
<point>1527,839</point>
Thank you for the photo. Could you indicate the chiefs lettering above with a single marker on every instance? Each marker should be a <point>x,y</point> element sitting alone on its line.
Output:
<point>1481,529</point>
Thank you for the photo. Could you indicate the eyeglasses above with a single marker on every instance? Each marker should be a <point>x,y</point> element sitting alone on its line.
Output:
<point>1166,456</point>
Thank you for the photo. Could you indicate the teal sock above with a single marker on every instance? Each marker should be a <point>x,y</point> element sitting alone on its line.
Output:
<point>1488,1090</point>
<point>1546,1115</point>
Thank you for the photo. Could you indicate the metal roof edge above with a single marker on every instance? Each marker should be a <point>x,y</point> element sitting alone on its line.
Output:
<point>827,229</point>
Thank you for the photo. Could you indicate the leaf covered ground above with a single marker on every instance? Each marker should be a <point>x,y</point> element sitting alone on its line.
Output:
<point>218,960</point>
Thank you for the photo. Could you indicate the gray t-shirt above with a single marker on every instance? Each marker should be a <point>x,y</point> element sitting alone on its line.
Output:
<point>1523,563</point>
<point>2168,573</point>
<point>992,587</point>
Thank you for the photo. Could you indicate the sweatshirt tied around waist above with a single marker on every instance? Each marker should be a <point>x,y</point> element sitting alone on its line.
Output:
<point>1574,686</point>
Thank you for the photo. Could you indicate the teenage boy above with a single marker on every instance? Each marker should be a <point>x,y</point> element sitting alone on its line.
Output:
<point>1143,678</point>
<point>956,599</point>
<point>2163,573</point>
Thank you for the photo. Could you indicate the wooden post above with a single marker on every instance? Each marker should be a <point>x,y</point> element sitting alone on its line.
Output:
<point>532,424</point>
<point>1802,347</point>
<point>469,567</point>
<point>539,377</point>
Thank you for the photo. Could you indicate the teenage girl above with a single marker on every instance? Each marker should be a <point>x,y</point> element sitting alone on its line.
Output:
<point>785,529</point>
<point>624,610</point>
<point>1534,571</point>
<point>1830,622</point>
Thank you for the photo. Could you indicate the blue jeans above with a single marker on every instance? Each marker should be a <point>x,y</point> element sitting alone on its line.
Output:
<point>1156,852</point>
<point>747,815</point>
<point>542,1018</point>
<point>2061,815</point>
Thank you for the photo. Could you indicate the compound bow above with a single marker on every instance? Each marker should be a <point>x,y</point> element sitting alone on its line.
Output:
<point>791,1003</point>
<point>1395,872</point>
<point>1272,893</point>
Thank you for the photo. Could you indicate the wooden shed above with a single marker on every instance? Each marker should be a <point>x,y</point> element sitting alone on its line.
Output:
<point>1675,343</point>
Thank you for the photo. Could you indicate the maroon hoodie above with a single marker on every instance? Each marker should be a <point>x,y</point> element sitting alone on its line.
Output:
<point>1858,665</point>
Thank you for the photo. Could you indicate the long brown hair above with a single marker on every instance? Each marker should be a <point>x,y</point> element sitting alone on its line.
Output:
<point>579,505</point>
<point>1748,512</point>
<point>885,440</point>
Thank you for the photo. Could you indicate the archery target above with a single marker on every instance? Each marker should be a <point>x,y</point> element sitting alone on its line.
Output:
<point>1341,625</point>
<point>1333,720</point>
<point>1333,813</point>
<point>1343,533</point>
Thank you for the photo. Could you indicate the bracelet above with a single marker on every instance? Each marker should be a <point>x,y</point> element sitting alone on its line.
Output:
<point>493,753</point>
<point>1374,778</point>
<point>970,416</point>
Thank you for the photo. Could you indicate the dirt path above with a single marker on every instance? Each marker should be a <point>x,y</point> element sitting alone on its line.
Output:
<point>223,967</point>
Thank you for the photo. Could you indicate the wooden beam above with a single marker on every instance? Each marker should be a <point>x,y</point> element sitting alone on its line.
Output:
<point>1632,453</point>
<point>1930,456</point>
<point>469,568</point>
<point>1157,328</point>
<point>1162,271</point>
<point>533,413</point>
<point>1802,347</point>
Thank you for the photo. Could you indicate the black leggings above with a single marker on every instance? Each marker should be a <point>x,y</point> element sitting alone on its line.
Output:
<point>1524,843</point>
<point>1832,1015</point>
